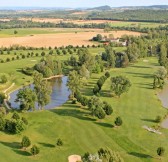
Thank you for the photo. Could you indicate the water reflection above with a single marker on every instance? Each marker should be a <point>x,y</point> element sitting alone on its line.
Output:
<point>59,95</point>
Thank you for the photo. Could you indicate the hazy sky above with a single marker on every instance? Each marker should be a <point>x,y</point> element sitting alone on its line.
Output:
<point>81,3</point>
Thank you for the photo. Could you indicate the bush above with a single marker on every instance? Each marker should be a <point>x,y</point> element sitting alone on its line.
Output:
<point>25,121</point>
<point>15,116</point>
<point>2,97</point>
<point>107,74</point>
<point>19,126</point>
<point>34,150</point>
<point>74,101</point>
<point>2,124</point>
<point>107,108</point>
<point>96,89</point>
<point>158,119</point>
<point>2,111</point>
<point>4,79</point>
<point>99,113</point>
<point>10,126</point>
<point>59,142</point>
<point>118,121</point>
<point>160,151</point>
<point>25,142</point>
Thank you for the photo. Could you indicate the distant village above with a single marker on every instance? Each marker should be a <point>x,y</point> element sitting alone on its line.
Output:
<point>109,39</point>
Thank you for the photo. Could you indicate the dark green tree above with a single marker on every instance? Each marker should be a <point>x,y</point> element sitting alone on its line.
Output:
<point>25,142</point>
<point>34,150</point>
<point>118,121</point>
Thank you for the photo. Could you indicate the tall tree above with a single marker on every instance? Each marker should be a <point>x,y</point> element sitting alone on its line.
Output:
<point>163,60</point>
<point>111,58</point>
<point>27,98</point>
<point>42,89</point>
<point>74,82</point>
<point>120,84</point>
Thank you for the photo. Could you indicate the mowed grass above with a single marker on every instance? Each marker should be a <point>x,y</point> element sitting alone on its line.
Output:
<point>82,133</point>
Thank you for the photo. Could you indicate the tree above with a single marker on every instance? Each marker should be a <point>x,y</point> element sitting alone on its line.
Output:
<point>42,90</point>
<point>27,98</point>
<point>111,58</point>
<point>160,151</point>
<point>74,82</point>
<point>159,77</point>
<point>84,72</point>
<point>4,79</point>
<point>107,74</point>
<point>118,121</point>
<point>96,107</point>
<point>86,58</point>
<point>163,60</point>
<point>158,119</point>
<point>2,123</point>
<point>120,84</point>
<point>107,108</point>
<point>125,61</point>
<point>107,155</point>
<point>59,142</point>
<point>2,97</point>
<point>133,52</point>
<point>34,150</point>
<point>15,116</point>
<point>96,89</point>
<point>15,32</point>
<point>25,142</point>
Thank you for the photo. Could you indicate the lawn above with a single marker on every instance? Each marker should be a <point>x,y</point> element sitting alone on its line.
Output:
<point>81,132</point>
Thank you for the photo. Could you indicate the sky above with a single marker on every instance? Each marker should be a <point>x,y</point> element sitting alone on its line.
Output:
<point>80,3</point>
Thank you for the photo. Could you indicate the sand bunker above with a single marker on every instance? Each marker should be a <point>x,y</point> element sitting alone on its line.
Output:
<point>74,158</point>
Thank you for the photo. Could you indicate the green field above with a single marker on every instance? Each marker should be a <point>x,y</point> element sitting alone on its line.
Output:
<point>82,133</point>
<point>136,24</point>
<point>35,31</point>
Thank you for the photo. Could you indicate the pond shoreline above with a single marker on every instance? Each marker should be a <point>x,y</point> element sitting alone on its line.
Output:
<point>19,87</point>
<point>163,97</point>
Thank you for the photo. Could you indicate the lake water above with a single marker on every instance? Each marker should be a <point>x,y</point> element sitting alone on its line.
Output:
<point>59,95</point>
<point>163,96</point>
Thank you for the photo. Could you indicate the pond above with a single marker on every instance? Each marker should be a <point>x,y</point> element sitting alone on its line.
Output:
<point>59,95</point>
<point>163,96</point>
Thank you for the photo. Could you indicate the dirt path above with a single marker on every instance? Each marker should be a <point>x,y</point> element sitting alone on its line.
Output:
<point>7,96</point>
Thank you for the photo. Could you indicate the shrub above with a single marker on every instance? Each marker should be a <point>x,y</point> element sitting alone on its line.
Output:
<point>107,74</point>
<point>25,121</point>
<point>4,79</point>
<point>96,89</point>
<point>74,101</point>
<point>107,108</point>
<point>158,119</point>
<point>118,121</point>
<point>2,97</point>
<point>160,151</point>
<point>2,124</point>
<point>25,142</point>
<point>34,150</point>
<point>15,116</point>
<point>59,142</point>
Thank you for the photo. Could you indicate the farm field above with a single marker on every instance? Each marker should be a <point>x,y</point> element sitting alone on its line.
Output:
<point>77,127</point>
<point>81,22</point>
<point>56,37</point>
